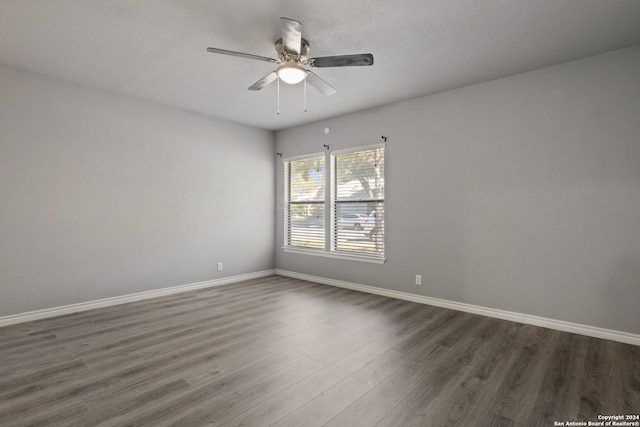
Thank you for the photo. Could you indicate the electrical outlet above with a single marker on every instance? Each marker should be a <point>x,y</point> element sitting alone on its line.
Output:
<point>418,279</point>
<point>219,266</point>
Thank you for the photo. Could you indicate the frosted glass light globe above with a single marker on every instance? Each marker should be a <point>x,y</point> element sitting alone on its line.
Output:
<point>291,74</point>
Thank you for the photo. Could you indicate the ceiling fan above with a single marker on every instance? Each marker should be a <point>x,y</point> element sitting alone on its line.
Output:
<point>292,57</point>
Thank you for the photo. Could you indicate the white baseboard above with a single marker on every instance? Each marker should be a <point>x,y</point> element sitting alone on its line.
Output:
<point>106,302</point>
<point>559,325</point>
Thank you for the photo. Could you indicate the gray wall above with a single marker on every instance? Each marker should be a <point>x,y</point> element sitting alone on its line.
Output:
<point>520,194</point>
<point>103,195</point>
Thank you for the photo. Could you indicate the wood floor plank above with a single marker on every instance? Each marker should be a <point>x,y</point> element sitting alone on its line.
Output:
<point>107,375</point>
<point>520,389</point>
<point>279,405</point>
<point>289,400</point>
<point>222,408</point>
<point>378,402</point>
<point>325,406</point>
<point>442,371</point>
<point>554,400</point>
<point>197,396</point>
<point>282,351</point>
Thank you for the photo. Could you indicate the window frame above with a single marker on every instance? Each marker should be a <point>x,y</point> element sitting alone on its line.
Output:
<point>286,237</point>
<point>333,201</point>
<point>329,204</point>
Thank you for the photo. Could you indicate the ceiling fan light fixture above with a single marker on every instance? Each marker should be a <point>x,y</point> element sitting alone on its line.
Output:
<point>291,73</point>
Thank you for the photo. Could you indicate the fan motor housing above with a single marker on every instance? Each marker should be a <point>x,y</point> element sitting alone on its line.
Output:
<point>304,49</point>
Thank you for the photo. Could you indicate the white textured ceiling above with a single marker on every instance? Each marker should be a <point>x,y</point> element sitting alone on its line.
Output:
<point>156,49</point>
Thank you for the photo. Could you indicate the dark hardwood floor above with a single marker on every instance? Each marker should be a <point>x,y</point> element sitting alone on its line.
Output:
<point>280,351</point>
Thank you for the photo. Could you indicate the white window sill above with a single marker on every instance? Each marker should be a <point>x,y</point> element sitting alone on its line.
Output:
<point>336,255</point>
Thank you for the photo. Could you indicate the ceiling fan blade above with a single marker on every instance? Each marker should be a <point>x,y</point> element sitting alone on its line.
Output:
<point>240,54</point>
<point>291,35</point>
<point>264,82</point>
<point>357,60</point>
<point>321,86</point>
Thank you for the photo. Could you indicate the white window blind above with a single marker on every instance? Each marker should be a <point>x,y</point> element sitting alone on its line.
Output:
<point>358,202</point>
<point>304,202</point>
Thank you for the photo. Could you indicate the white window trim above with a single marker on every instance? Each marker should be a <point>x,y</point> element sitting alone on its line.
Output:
<point>356,149</point>
<point>335,255</point>
<point>304,157</point>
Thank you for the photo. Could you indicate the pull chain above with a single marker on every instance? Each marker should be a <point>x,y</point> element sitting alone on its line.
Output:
<point>305,92</point>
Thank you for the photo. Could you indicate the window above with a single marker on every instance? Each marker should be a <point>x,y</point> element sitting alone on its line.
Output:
<point>358,202</point>
<point>304,198</point>
<point>347,221</point>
